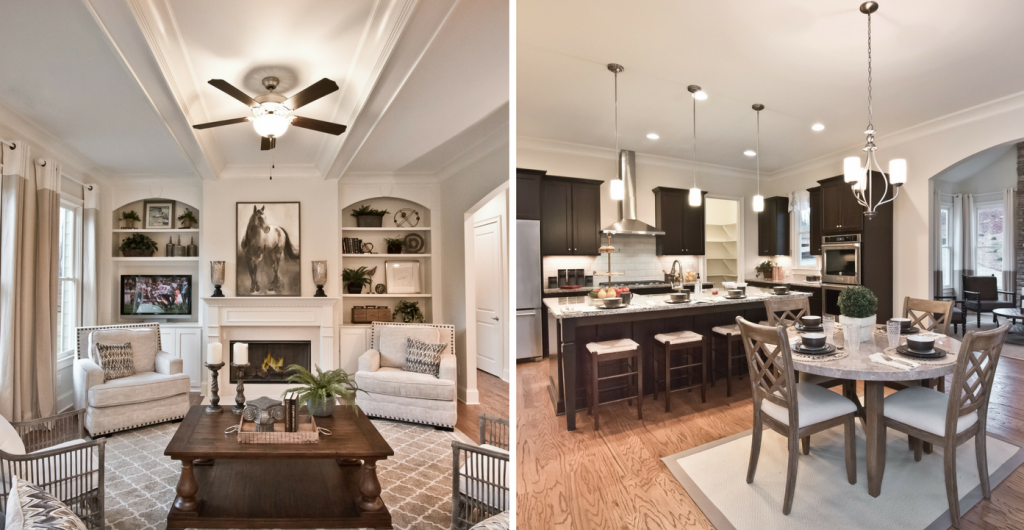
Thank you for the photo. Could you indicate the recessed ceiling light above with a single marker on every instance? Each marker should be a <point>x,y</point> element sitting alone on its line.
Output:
<point>750,152</point>
<point>652,136</point>
<point>817,127</point>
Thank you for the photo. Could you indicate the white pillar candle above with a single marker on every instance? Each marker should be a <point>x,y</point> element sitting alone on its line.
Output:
<point>241,353</point>
<point>214,354</point>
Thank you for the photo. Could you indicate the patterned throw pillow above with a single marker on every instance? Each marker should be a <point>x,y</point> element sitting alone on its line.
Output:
<point>498,522</point>
<point>423,357</point>
<point>30,507</point>
<point>116,360</point>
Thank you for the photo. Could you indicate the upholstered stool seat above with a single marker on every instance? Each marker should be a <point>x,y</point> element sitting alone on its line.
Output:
<point>693,347</point>
<point>607,352</point>
<point>679,337</point>
<point>733,353</point>
<point>612,346</point>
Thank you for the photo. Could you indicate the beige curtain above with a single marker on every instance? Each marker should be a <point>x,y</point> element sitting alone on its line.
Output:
<point>963,240</point>
<point>30,194</point>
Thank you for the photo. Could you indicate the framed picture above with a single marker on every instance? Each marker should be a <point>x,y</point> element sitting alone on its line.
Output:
<point>267,247</point>
<point>158,214</point>
<point>402,277</point>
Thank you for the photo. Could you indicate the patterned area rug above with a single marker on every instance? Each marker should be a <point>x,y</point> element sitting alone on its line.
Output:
<point>417,481</point>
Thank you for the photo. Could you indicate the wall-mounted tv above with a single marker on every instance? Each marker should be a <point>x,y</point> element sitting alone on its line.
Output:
<point>156,295</point>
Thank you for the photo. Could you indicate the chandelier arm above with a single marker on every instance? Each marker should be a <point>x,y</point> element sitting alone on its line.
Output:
<point>885,180</point>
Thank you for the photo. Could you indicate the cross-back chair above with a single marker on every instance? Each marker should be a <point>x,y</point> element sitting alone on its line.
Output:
<point>930,416</point>
<point>778,400</point>
<point>928,315</point>
<point>787,312</point>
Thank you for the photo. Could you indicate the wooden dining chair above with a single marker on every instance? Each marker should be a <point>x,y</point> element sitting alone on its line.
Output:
<point>930,416</point>
<point>786,312</point>
<point>928,316</point>
<point>779,401</point>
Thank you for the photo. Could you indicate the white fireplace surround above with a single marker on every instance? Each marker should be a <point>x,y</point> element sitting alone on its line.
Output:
<point>270,318</point>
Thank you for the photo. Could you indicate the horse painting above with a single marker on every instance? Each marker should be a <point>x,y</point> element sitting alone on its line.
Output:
<point>266,251</point>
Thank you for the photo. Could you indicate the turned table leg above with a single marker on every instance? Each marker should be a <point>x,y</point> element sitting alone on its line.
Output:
<point>369,486</point>
<point>874,395</point>
<point>187,488</point>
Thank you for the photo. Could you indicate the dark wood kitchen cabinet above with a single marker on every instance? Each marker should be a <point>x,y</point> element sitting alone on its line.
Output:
<point>841,213</point>
<point>773,227</point>
<point>528,193</point>
<point>816,211</point>
<point>683,224</point>
<point>570,216</point>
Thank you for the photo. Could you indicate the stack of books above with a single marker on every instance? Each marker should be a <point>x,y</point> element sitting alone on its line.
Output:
<point>291,412</point>
<point>351,245</point>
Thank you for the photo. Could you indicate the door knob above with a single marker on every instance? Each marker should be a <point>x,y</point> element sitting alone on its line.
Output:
<point>494,318</point>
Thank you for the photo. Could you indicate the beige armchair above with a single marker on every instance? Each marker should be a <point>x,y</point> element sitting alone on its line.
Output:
<point>391,392</point>
<point>158,391</point>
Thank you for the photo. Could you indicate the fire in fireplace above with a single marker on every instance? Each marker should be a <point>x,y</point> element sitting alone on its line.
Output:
<point>269,360</point>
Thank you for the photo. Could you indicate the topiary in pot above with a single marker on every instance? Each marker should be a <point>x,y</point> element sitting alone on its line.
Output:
<point>368,217</point>
<point>356,279</point>
<point>857,306</point>
<point>188,219</point>
<point>321,390</point>
<point>129,218</point>
<point>137,245</point>
<point>394,244</point>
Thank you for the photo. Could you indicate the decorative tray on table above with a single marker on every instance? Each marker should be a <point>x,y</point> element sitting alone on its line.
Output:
<point>307,433</point>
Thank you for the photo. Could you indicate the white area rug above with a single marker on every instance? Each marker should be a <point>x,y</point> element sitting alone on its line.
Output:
<point>913,493</point>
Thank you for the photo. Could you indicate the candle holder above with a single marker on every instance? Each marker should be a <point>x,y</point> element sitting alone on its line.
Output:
<point>240,389</point>
<point>214,406</point>
<point>319,278</point>
<point>217,278</point>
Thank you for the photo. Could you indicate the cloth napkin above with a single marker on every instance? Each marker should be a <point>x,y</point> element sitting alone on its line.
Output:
<point>877,358</point>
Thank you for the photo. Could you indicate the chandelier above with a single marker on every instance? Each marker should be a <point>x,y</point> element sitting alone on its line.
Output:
<point>859,176</point>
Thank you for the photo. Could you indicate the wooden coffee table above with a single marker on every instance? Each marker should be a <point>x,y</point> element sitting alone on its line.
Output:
<point>225,484</point>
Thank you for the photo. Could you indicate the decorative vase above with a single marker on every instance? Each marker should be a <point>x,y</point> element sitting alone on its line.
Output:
<point>129,223</point>
<point>321,409</point>
<point>369,220</point>
<point>867,325</point>
<point>394,249</point>
<point>354,288</point>
<point>186,224</point>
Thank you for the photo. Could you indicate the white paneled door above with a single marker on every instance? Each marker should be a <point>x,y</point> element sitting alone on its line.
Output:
<point>490,297</point>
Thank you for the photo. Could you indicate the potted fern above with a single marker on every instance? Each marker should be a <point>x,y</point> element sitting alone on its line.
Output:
<point>394,244</point>
<point>129,218</point>
<point>408,312</point>
<point>764,269</point>
<point>188,219</point>
<point>857,306</point>
<point>356,279</point>
<point>137,245</point>
<point>320,391</point>
<point>368,217</point>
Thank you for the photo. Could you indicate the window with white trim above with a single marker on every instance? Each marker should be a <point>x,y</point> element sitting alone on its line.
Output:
<point>69,277</point>
<point>946,245</point>
<point>804,258</point>
<point>988,240</point>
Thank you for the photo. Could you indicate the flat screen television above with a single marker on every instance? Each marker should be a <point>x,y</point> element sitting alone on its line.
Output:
<point>161,295</point>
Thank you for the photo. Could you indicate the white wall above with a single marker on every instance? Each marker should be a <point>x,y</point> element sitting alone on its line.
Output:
<point>997,176</point>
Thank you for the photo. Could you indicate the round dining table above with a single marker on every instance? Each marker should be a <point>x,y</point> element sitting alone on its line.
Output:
<point>856,366</point>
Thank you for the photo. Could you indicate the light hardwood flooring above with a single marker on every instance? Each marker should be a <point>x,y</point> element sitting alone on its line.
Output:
<point>615,478</point>
<point>493,402</point>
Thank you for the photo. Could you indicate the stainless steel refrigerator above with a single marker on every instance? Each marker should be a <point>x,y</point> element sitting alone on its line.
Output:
<point>529,310</point>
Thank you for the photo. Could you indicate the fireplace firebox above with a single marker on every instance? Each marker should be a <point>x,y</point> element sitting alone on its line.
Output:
<point>268,360</point>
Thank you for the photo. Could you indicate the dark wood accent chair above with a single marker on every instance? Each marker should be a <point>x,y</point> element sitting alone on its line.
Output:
<point>957,316</point>
<point>794,410</point>
<point>929,416</point>
<point>787,312</point>
<point>480,474</point>
<point>981,295</point>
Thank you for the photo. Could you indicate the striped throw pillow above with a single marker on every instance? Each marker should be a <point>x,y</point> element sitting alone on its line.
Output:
<point>30,506</point>
<point>423,357</point>
<point>116,360</point>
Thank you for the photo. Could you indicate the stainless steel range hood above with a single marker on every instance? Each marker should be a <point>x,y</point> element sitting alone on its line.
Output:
<point>629,223</point>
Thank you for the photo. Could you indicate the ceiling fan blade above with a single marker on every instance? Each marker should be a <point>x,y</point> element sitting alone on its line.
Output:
<point>266,144</point>
<point>317,125</point>
<point>219,123</point>
<point>273,143</point>
<point>312,93</point>
<point>228,89</point>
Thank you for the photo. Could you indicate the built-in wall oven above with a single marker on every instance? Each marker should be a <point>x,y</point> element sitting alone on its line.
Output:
<point>841,259</point>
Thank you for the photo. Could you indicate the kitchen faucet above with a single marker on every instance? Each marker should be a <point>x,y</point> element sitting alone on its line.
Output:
<point>676,275</point>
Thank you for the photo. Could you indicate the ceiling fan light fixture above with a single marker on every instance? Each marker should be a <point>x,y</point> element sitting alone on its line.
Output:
<point>271,125</point>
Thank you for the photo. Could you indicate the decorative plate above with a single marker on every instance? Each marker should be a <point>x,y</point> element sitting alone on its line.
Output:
<point>800,327</point>
<point>799,348</point>
<point>381,288</point>
<point>413,243</point>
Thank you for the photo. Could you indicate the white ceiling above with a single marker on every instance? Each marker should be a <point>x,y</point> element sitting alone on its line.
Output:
<point>973,164</point>
<point>805,60</point>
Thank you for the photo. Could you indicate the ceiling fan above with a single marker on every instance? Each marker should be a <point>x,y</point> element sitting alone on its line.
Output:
<point>271,112</point>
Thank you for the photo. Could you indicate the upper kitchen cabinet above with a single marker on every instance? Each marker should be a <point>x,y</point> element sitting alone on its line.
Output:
<point>528,182</point>
<point>570,216</point>
<point>816,212</point>
<point>773,227</point>
<point>841,213</point>
<point>683,224</point>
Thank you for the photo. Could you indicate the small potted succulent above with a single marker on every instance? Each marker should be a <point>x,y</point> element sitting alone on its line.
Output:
<point>764,269</point>
<point>394,244</point>
<point>188,219</point>
<point>356,279</point>
<point>137,245</point>
<point>320,391</point>
<point>406,311</point>
<point>129,218</point>
<point>857,306</point>
<point>368,217</point>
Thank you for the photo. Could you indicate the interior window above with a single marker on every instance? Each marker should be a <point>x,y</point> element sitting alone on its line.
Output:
<point>988,241</point>
<point>803,239</point>
<point>946,246</point>
<point>68,280</point>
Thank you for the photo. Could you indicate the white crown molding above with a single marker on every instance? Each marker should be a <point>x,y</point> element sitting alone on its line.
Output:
<point>249,171</point>
<point>498,139</point>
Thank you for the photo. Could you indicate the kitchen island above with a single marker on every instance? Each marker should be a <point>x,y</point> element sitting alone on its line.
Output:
<point>577,323</point>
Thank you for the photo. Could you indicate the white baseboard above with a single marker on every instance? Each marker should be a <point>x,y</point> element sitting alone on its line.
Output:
<point>469,396</point>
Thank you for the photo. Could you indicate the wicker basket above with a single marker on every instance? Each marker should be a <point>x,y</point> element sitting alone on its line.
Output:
<point>307,434</point>
<point>370,314</point>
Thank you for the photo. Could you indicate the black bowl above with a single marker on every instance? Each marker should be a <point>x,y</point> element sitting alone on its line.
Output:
<point>811,321</point>
<point>680,297</point>
<point>904,323</point>
<point>781,289</point>
<point>813,340</point>
<point>920,344</point>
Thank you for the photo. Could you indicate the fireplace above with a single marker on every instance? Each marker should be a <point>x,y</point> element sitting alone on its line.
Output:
<point>268,360</point>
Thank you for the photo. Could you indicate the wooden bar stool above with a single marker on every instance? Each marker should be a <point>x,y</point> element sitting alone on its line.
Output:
<point>689,343</point>
<point>615,350</point>
<point>734,352</point>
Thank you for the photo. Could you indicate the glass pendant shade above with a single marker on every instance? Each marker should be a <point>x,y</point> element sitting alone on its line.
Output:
<point>618,191</point>
<point>695,196</point>
<point>851,169</point>
<point>271,125</point>
<point>860,184</point>
<point>898,171</point>
<point>758,203</point>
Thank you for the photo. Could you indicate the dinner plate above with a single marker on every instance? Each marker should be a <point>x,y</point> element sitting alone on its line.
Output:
<point>734,297</point>
<point>799,348</point>
<point>679,302</point>
<point>935,353</point>
<point>801,327</point>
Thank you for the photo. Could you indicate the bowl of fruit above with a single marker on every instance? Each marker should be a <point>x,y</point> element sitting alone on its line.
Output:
<point>612,292</point>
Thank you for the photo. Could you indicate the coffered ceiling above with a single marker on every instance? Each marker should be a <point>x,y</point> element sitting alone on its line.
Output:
<point>805,60</point>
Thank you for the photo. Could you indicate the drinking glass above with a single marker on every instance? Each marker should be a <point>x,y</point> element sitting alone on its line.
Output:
<point>828,324</point>
<point>893,333</point>
<point>851,334</point>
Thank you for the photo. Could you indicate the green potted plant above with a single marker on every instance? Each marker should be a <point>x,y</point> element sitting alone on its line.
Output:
<point>394,244</point>
<point>129,218</point>
<point>408,312</point>
<point>320,390</point>
<point>857,306</point>
<point>764,269</point>
<point>368,217</point>
<point>356,279</point>
<point>137,245</point>
<point>188,219</point>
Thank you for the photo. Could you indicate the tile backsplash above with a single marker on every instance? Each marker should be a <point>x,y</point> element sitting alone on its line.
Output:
<point>634,255</point>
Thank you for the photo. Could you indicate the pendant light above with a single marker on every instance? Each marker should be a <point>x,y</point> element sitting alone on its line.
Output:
<point>617,188</point>
<point>758,202</point>
<point>856,174</point>
<point>697,93</point>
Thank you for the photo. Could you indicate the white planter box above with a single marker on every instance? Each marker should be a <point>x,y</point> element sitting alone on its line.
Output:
<point>867,325</point>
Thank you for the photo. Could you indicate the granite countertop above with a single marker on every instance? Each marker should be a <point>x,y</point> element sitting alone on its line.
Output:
<point>631,285</point>
<point>579,306</point>
<point>790,282</point>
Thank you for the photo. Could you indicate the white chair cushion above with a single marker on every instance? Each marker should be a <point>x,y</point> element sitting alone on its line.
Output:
<point>10,442</point>
<point>398,382</point>
<point>485,467</point>
<point>925,409</point>
<point>612,346</point>
<point>394,339</point>
<point>814,404</point>
<point>144,345</point>
<point>678,337</point>
<point>138,388</point>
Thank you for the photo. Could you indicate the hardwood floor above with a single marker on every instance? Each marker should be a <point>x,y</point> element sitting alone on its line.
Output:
<point>493,402</point>
<point>615,478</point>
